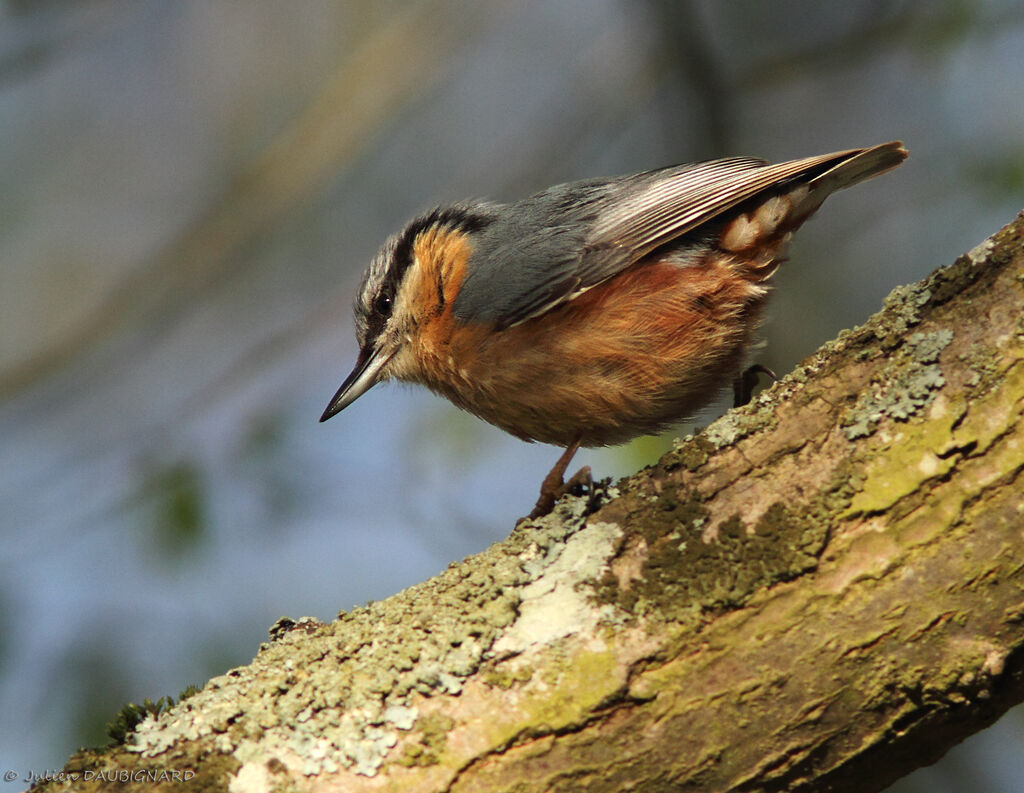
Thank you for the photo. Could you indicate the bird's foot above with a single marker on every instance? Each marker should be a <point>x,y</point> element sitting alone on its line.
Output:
<point>745,383</point>
<point>554,488</point>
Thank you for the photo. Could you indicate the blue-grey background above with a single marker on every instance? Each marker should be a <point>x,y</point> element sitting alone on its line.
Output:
<point>191,189</point>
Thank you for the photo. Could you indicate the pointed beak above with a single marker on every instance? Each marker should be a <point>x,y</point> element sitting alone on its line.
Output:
<point>362,378</point>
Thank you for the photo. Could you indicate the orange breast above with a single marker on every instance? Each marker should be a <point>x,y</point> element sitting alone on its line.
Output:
<point>648,347</point>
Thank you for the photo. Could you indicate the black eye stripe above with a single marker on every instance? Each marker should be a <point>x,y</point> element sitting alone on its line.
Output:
<point>385,275</point>
<point>458,217</point>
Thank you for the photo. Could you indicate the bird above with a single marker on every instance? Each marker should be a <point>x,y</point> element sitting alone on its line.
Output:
<point>594,311</point>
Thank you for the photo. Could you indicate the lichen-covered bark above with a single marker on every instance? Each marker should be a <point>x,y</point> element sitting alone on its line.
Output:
<point>822,591</point>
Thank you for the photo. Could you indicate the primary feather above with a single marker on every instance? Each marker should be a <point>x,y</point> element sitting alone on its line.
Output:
<point>571,237</point>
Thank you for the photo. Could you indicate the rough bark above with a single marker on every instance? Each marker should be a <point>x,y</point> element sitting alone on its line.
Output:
<point>820,592</point>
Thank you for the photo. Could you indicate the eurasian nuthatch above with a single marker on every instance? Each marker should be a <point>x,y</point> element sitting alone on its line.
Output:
<point>594,311</point>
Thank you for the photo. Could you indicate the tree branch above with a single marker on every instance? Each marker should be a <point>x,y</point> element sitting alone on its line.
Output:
<point>820,592</point>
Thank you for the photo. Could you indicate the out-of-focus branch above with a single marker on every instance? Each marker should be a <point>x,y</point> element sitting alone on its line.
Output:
<point>884,24</point>
<point>390,68</point>
<point>690,56</point>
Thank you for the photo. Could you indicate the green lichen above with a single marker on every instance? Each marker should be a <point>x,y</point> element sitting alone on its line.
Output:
<point>363,667</point>
<point>993,414</point>
<point>901,311</point>
<point>685,572</point>
<point>568,690</point>
<point>846,482</point>
<point>737,424</point>
<point>689,452</point>
<point>504,678</point>
<point>929,451</point>
<point>903,387</point>
<point>433,732</point>
<point>897,473</point>
<point>339,695</point>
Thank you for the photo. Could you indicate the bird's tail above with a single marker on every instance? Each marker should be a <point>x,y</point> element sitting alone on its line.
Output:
<point>863,165</point>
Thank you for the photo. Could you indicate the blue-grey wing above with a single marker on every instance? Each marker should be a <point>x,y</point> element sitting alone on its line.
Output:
<point>555,245</point>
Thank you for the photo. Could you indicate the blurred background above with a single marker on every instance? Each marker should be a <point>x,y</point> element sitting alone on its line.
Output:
<point>191,191</point>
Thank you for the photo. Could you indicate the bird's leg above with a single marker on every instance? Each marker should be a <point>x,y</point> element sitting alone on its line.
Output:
<point>745,383</point>
<point>553,488</point>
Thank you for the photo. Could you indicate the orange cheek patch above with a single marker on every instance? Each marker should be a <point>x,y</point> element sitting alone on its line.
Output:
<point>442,256</point>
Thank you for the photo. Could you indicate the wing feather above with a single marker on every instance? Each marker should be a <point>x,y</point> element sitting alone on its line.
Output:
<point>682,201</point>
<point>559,243</point>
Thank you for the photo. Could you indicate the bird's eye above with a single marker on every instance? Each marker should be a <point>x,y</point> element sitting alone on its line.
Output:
<point>382,304</point>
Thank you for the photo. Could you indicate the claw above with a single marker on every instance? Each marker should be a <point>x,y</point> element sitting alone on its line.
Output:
<point>745,383</point>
